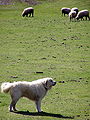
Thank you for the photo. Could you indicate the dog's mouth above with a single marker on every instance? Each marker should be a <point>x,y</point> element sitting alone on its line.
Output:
<point>54,83</point>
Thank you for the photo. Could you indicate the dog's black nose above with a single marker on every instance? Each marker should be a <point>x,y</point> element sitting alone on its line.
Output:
<point>54,83</point>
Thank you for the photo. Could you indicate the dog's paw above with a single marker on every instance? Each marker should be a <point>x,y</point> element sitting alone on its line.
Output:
<point>40,111</point>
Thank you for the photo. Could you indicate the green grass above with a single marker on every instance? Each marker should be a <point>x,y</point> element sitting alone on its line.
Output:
<point>50,43</point>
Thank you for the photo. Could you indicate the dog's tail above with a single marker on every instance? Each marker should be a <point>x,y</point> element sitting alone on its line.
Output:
<point>5,87</point>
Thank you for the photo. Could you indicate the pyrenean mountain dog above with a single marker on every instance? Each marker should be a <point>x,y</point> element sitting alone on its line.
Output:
<point>34,90</point>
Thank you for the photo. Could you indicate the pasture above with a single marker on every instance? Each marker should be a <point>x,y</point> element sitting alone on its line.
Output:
<point>46,45</point>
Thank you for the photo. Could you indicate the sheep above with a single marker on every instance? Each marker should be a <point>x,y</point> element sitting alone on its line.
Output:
<point>27,11</point>
<point>75,9</point>
<point>72,15</point>
<point>83,13</point>
<point>65,10</point>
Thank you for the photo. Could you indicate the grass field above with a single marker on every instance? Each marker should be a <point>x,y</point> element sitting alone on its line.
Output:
<point>51,44</point>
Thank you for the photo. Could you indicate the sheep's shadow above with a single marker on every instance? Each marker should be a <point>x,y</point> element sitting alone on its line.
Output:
<point>43,114</point>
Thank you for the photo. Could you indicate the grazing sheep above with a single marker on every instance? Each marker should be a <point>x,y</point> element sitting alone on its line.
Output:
<point>83,13</point>
<point>65,10</point>
<point>28,11</point>
<point>75,9</point>
<point>72,15</point>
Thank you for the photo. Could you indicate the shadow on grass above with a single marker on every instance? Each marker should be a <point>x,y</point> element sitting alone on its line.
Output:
<point>43,114</point>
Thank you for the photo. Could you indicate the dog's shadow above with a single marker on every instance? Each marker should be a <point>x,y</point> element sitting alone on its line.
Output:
<point>43,114</point>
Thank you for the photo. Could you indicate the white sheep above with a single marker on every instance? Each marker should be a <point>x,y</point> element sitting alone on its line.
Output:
<point>72,15</point>
<point>83,13</point>
<point>65,10</point>
<point>75,9</point>
<point>27,11</point>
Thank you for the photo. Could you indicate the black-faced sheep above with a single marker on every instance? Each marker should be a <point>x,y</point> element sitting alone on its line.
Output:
<point>75,9</point>
<point>65,10</point>
<point>83,13</point>
<point>28,11</point>
<point>72,15</point>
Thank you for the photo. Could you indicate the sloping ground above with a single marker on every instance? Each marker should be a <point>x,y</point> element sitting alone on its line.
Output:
<point>31,2</point>
<point>8,2</point>
<point>5,2</point>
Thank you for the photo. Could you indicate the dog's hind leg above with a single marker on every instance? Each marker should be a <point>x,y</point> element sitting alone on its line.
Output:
<point>38,105</point>
<point>15,98</point>
<point>12,105</point>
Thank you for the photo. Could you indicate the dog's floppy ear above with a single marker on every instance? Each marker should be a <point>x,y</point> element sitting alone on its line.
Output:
<point>47,85</point>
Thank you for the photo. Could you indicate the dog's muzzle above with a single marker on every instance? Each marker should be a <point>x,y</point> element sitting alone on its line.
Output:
<point>54,83</point>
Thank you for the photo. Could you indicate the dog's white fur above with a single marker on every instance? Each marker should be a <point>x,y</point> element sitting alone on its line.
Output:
<point>34,90</point>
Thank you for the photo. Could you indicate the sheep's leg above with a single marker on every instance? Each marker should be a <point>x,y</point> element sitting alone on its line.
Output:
<point>70,18</point>
<point>26,15</point>
<point>82,18</point>
<point>88,17</point>
<point>30,15</point>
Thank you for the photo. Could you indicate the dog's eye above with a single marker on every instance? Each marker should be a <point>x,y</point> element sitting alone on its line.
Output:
<point>51,80</point>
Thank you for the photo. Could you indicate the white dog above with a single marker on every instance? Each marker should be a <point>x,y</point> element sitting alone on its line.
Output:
<point>34,90</point>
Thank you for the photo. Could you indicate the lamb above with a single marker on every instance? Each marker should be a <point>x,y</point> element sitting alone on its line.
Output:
<point>72,15</point>
<point>83,13</point>
<point>28,11</point>
<point>65,10</point>
<point>75,9</point>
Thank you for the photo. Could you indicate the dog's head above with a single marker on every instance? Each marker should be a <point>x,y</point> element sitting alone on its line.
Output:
<point>48,83</point>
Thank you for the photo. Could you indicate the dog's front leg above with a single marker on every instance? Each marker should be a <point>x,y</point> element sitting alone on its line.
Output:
<point>38,105</point>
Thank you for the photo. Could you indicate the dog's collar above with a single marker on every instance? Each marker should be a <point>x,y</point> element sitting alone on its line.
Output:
<point>45,87</point>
